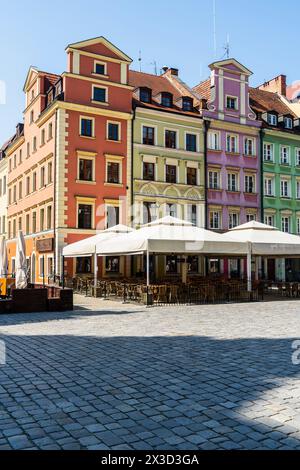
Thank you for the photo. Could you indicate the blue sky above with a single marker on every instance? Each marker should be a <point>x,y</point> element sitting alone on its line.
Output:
<point>263,36</point>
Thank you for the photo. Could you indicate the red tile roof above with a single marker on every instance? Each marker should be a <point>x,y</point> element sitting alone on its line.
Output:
<point>158,84</point>
<point>203,89</point>
<point>262,101</point>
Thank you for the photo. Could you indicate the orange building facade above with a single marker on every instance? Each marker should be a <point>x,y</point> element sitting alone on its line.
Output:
<point>69,166</point>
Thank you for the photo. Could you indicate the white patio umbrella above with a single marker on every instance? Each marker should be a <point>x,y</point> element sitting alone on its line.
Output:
<point>3,258</point>
<point>264,240</point>
<point>170,235</point>
<point>87,246</point>
<point>21,266</point>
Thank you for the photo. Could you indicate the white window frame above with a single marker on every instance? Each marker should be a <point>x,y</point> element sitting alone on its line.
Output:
<point>119,130</point>
<point>269,218</point>
<point>114,159</point>
<point>229,181</point>
<point>104,103</point>
<point>219,216</point>
<point>272,119</point>
<point>90,118</point>
<point>197,141</point>
<point>249,175</point>
<point>236,102</point>
<point>268,151</point>
<point>285,184</point>
<point>82,156</point>
<point>297,156</point>
<point>231,136</point>
<point>267,185</point>
<point>246,146</point>
<point>285,153</point>
<point>288,123</point>
<point>231,215</point>
<point>214,137</point>
<point>283,223</point>
<point>99,62</point>
<point>218,173</point>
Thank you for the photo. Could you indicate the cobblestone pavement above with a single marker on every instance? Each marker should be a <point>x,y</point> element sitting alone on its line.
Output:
<point>114,376</point>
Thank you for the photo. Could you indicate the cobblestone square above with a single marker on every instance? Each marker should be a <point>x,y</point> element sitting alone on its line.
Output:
<point>118,376</point>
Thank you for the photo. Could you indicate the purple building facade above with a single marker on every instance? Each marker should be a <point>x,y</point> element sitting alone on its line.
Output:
<point>233,150</point>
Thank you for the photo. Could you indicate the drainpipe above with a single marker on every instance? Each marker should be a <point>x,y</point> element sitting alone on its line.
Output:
<point>261,136</point>
<point>206,128</point>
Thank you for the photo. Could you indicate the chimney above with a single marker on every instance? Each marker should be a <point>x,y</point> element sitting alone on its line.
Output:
<point>276,85</point>
<point>170,71</point>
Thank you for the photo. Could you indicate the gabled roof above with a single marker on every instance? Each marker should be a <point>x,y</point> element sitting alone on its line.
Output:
<point>51,77</point>
<point>158,84</point>
<point>263,101</point>
<point>100,40</point>
<point>226,62</point>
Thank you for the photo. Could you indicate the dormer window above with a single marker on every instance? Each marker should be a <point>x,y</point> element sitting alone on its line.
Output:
<point>100,68</point>
<point>288,123</point>
<point>166,100</point>
<point>231,102</point>
<point>145,95</point>
<point>187,104</point>
<point>272,119</point>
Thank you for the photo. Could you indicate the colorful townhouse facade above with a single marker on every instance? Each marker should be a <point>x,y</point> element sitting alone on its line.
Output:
<point>168,158</point>
<point>232,153</point>
<point>280,142</point>
<point>67,167</point>
<point>101,144</point>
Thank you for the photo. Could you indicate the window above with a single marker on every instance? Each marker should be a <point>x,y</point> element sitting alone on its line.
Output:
<point>27,185</point>
<point>32,95</point>
<point>113,172</point>
<point>269,220</point>
<point>86,127</point>
<point>148,135</point>
<point>99,94</point>
<point>28,149</point>
<point>50,266</point>
<point>15,193</point>
<point>9,196</point>
<point>0,187</point>
<point>148,171</point>
<point>112,216</point>
<point>113,131</point>
<point>14,228</point>
<point>100,68</point>
<point>214,140</point>
<point>166,99</point>
<point>231,143</point>
<point>232,182</point>
<point>34,181</point>
<point>288,123</point>
<point>20,157</point>
<point>191,176</point>
<point>268,152</point>
<point>43,137</point>
<point>285,224</point>
<point>297,155</point>
<point>85,216</point>
<point>50,172</point>
<point>15,161</point>
<point>20,190</point>
<point>231,102</point>
<point>9,165</point>
<point>31,117</point>
<point>149,212</point>
<point>20,223</point>
<point>171,210</point>
<point>42,177</point>
<point>27,224</point>
<point>171,264</point>
<point>298,189</point>
<point>214,220</point>
<point>112,264</point>
<point>284,188</point>
<point>284,155</point>
<point>214,180</point>
<point>34,222</point>
<point>171,173</point>
<point>4,185</point>
<point>233,220</point>
<point>34,144</point>
<point>86,169</point>
<point>145,95</point>
<point>191,142</point>
<point>250,217</point>
<point>42,220</point>
<point>187,104</point>
<point>170,139</point>
<point>269,186</point>
<point>272,119</point>
<point>9,229</point>
<point>192,213</point>
<point>249,183</point>
<point>49,217</point>
<point>249,147</point>
<point>50,131</point>
<point>83,265</point>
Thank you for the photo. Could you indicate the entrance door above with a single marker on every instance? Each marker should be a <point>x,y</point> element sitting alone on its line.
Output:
<point>32,268</point>
<point>271,269</point>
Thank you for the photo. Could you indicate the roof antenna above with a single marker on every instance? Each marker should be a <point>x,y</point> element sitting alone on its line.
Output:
<point>227,48</point>
<point>154,63</point>
<point>214,28</point>
<point>140,60</point>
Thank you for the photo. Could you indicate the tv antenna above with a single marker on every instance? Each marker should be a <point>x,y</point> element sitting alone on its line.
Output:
<point>227,48</point>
